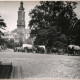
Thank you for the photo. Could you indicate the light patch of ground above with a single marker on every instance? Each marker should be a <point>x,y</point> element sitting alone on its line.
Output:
<point>29,65</point>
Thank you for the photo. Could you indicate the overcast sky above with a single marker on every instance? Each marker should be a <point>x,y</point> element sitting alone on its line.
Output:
<point>9,9</point>
<point>9,12</point>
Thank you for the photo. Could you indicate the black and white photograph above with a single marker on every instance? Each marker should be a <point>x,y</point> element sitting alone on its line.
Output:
<point>40,39</point>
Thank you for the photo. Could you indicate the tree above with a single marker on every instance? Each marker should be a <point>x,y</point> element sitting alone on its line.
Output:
<point>52,19</point>
<point>2,26</point>
<point>77,33</point>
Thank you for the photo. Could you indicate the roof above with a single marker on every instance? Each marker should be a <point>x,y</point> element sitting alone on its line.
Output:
<point>26,31</point>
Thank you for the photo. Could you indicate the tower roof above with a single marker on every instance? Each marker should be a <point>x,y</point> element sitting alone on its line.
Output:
<point>21,6</point>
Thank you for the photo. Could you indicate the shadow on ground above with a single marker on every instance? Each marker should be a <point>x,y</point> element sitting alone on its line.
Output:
<point>5,71</point>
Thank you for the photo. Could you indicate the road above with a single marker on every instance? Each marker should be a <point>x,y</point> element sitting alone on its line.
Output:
<point>29,65</point>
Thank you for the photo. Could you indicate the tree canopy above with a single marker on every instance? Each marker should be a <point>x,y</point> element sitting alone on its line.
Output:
<point>52,22</point>
<point>2,26</point>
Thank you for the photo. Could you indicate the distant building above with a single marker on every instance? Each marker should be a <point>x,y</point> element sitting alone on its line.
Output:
<point>20,33</point>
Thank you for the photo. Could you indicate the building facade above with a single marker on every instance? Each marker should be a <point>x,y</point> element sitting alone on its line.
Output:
<point>20,32</point>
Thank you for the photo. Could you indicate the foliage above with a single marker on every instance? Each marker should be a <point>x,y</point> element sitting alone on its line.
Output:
<point>77,33</point>
<point>10,43</point>
<point>2,25</point>
<point>52,22</point>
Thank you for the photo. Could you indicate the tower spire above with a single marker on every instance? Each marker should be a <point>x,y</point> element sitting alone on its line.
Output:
<point>21,16</point>
<point>21,6</point>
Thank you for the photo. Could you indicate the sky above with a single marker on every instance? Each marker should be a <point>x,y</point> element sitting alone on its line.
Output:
<point>9,12</point>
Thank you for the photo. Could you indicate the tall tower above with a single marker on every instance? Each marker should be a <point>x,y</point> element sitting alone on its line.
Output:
<point>21,16</point>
